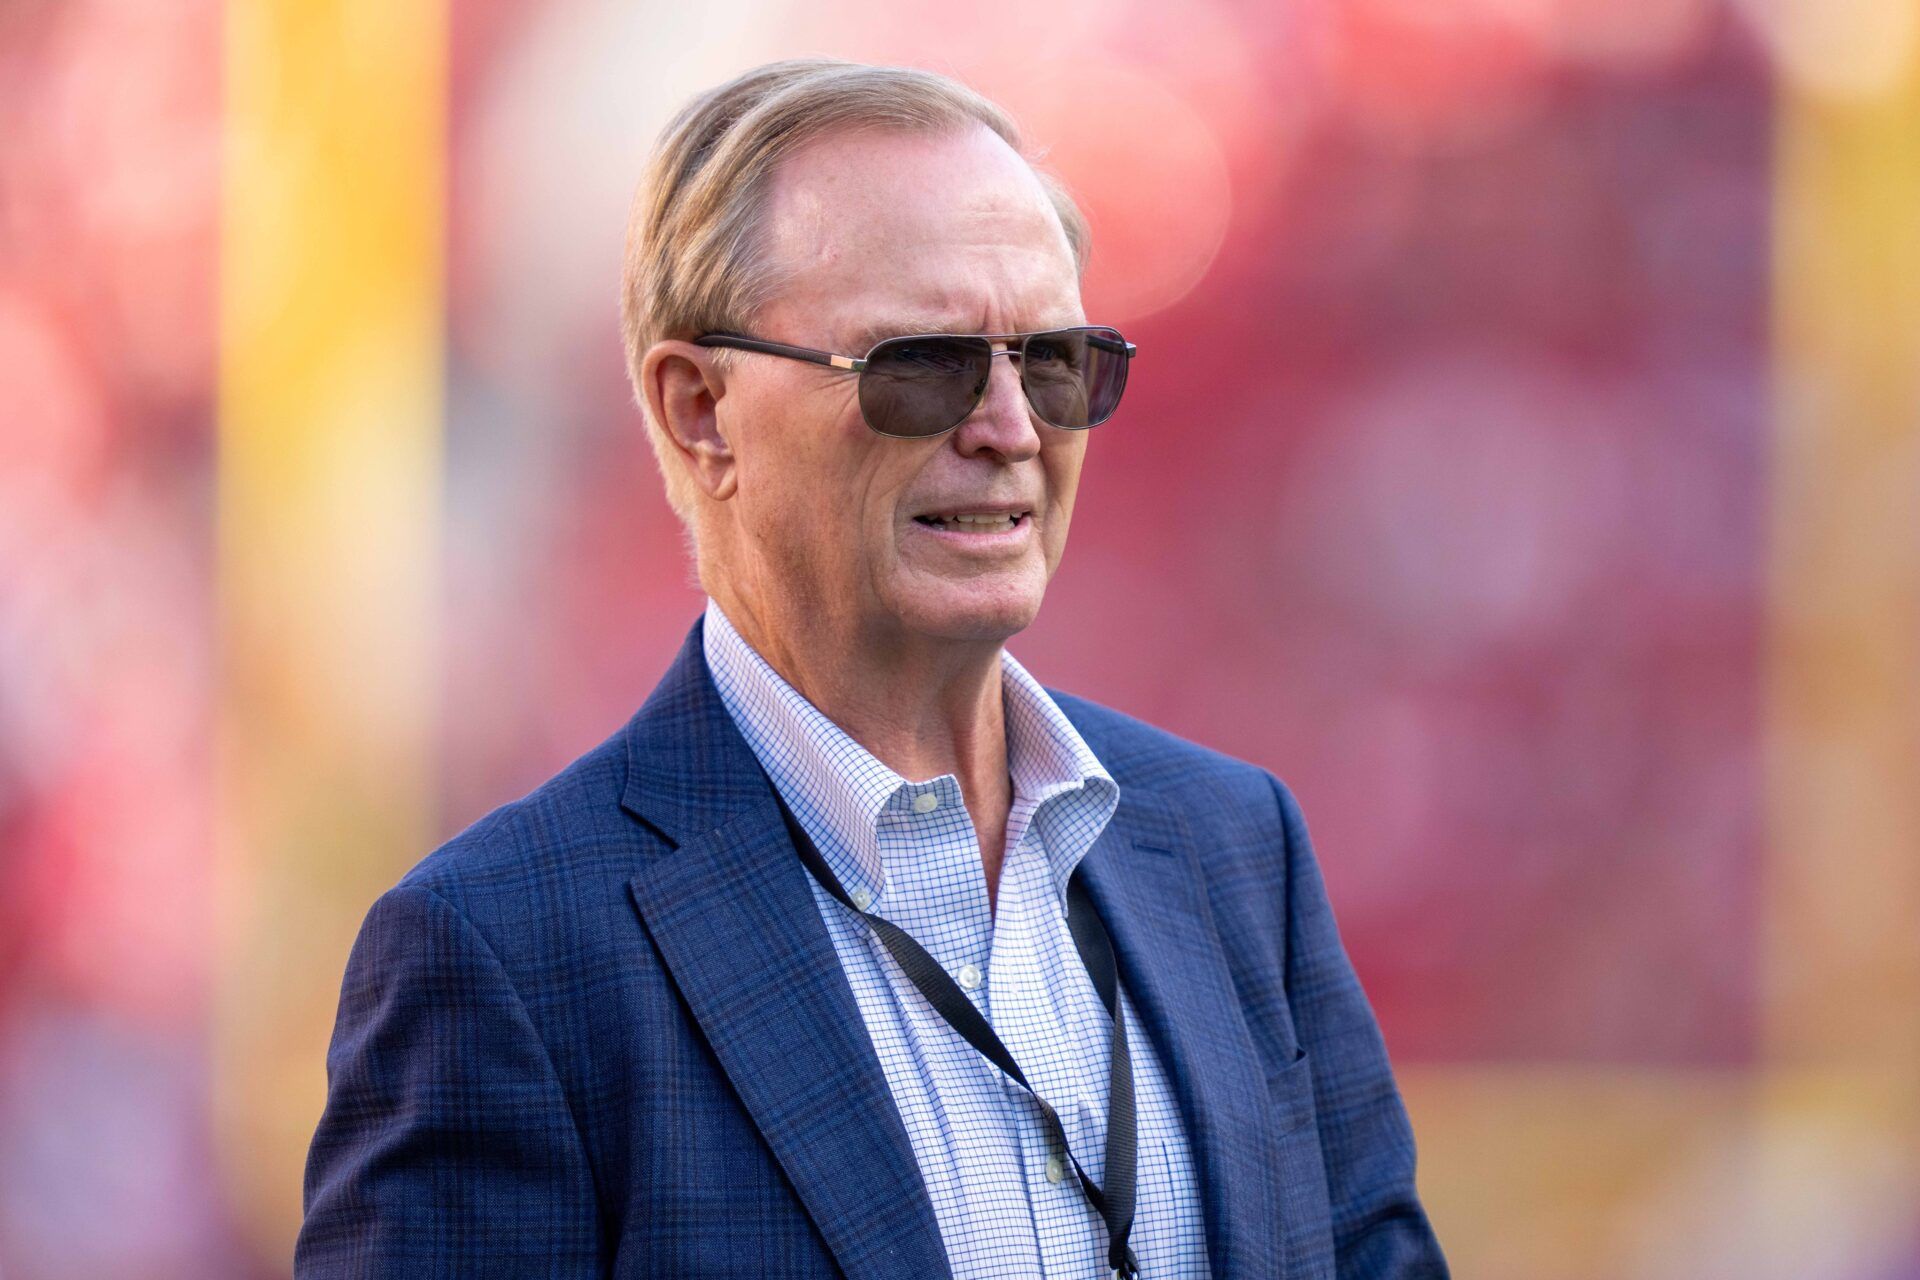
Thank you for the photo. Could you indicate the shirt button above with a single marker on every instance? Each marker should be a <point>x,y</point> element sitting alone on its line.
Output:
<point>1056,1169</point>
<point>970,976</point>
<point>926,802</point>
<point>861,898</point>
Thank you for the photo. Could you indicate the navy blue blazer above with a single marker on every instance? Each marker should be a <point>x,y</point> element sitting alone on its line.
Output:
<point>603,1032</point>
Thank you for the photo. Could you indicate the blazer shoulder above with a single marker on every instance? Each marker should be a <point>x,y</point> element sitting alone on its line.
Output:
<point>1236,813</point>
<point>1144,755</point>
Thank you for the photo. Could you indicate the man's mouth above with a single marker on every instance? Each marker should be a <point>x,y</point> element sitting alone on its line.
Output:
<point>975,521</point>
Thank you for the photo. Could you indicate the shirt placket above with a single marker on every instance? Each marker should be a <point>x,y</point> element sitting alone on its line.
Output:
<point>935,892</point>
<point>1062,1220</point>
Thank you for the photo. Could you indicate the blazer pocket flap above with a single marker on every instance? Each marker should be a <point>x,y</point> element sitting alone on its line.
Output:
<point>1291,1087</point>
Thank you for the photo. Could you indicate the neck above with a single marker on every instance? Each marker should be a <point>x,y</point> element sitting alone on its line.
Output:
<point>922,706</point>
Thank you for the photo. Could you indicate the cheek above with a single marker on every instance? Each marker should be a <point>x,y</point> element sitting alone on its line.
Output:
<point>800,466</point>
<point>891,470</point>
<point>846,489</point>
<point>1063,473</point>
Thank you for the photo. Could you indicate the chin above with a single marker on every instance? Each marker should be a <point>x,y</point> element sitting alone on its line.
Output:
<point>974,609</point>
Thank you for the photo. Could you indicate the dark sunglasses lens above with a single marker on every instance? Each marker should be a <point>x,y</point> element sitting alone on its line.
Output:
<point>922,386</point>
<point>1074,377</point>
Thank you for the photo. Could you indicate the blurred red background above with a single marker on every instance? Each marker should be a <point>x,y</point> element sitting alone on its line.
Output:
<point>1505,412</point>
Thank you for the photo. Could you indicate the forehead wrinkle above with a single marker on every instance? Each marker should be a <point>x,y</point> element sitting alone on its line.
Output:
<point>1016,290</point>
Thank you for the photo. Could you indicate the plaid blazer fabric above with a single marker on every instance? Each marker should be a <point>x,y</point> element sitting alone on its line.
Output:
<point>603,1032</point>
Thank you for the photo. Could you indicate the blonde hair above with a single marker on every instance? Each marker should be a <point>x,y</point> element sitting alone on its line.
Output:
<point>691,263</point>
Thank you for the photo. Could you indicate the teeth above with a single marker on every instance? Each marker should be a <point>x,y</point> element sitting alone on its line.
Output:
<point>983,522</point>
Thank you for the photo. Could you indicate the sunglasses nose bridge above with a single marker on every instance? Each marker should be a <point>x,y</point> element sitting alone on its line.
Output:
<point>1017,402</point>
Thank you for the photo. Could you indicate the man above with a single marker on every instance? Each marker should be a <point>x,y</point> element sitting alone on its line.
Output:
<point>857,951</point>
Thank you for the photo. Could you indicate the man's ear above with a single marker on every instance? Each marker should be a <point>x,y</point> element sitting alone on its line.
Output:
<point>683,385</point>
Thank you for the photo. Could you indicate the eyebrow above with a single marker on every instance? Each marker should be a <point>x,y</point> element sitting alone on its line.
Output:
<point>880,331</point>
<point>865,340</point>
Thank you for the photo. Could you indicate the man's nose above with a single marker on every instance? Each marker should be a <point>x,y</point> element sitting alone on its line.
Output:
<point>1002,422</point>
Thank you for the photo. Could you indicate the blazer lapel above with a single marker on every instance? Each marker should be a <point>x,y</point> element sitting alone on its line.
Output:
<point>732,915</point>
<point>1144,882</point>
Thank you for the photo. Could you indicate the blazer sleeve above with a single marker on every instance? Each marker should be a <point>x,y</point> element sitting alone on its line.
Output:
<point>1380,1230</point>
<point>447,1146</point>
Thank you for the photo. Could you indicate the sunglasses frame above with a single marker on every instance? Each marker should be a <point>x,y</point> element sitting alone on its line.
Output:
<point>1000,344</point>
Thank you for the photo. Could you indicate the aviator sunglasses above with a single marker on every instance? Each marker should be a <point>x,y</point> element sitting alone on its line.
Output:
<point>927,384</point>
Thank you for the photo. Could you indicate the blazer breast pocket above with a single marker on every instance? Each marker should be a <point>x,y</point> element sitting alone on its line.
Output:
<point>1291,1087</point>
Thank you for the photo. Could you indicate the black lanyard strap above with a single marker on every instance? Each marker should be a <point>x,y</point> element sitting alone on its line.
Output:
<point>1115,1204</point>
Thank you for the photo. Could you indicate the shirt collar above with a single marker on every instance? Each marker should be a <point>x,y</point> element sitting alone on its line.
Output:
<point>838,790</point>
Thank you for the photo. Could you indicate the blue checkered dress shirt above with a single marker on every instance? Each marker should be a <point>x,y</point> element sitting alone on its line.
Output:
<point>1006,1204</point>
